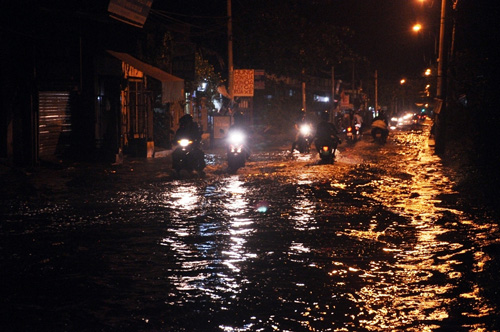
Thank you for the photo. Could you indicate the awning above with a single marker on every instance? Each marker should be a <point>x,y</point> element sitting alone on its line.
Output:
<point>172,86</point>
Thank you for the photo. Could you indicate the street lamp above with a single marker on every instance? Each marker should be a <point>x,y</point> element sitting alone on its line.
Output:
<point>402,82</point>
<point>440,105</point>
<point>418,28</point>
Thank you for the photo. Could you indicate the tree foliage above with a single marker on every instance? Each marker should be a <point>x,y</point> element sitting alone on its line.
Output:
<point>205,74</point>
<point>289,40</point>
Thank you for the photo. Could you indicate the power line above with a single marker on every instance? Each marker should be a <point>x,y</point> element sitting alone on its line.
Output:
<point>188,15</point>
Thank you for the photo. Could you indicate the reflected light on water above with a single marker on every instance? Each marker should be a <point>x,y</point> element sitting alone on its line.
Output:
<point>236,191</point>
<point>184,197</point>
<point>208,250</point>
<point>240,226</point>
<point>303,210</point>
<point>417,291</point>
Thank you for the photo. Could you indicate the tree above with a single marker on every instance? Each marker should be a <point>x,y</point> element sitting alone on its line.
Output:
<point>288,40</point>
<point>206,76</point>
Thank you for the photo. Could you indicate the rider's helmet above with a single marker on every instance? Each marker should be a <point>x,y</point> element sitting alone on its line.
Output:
<point>185,120</point>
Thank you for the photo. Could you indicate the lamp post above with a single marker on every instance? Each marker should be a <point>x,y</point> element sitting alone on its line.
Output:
<point>440,112</point>
<point>230,50</point>
<point>440,105</point>
<point>402,82</point>
<point>440,82</point>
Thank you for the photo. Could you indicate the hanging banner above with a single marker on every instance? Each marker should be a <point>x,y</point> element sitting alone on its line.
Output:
<point>243,82</point>
<point>133,12</point>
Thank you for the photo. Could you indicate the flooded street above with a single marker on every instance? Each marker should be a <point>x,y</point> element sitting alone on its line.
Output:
<point>378,241</point>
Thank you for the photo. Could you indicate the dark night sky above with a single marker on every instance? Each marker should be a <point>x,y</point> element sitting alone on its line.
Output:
<point>383,33</point>
<point>382,27</point>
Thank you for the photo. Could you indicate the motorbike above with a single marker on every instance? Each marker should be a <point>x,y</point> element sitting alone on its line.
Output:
<point>236,151</point>
<point>416,122</point>
<point>357,131</point>
<point>353,134</point>
<point>327,148</point>
<point>304,139</point>
<point>379,131</point>
<point>188,156</point>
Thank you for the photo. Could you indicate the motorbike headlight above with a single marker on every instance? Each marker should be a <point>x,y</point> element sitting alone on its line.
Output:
<point>236,137</point>
<point>305,129</point>
<point>184,142</point>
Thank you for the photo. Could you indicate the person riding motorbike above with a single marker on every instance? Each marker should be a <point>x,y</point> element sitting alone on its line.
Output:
<point>357,119</point>
<point>380,125</point>
<point>299,121</point>
<point>347,119</point>
<point>326,133</point>
<point>239,125</point>
<point>188,129</point>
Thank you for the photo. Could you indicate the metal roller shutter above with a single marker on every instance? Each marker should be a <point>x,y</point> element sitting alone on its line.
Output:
<point>54,125</point>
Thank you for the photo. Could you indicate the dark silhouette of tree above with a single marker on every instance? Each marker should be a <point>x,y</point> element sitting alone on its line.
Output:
<point>287,39</point>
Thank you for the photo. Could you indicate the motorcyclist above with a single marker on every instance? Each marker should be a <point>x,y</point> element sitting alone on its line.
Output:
<point>188,129</point>
<point>326,133</point>
<point>380,123</point>
<point>299,120</point>
<point>381,116</point>
<point>239,125</point>
<point>348,117</point>
<point>357,119</point>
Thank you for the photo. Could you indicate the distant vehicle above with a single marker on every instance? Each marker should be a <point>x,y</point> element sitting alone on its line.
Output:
<point>379,131</point>
<point>326,149</point>
<point>403,121</point>
<point>353,134</point>
<point>236,151</point>
<point>188,156</point>
<point>304,139</point>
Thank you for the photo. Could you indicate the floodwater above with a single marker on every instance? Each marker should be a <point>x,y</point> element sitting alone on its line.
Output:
<point>378,241</point>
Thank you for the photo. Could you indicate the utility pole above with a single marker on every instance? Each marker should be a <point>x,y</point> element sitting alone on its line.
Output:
<point>304,104</point>
<point>440,82</point>
<point>304,96</point>
<point>333,92</point>
<point>376,91</point>
<point>230,49</point>
<point>440,109</point>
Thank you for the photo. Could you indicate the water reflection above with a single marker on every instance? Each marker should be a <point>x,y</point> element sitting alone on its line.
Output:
<point>420,286</point>
<point>183,197</point>
<point>207,236</point>
<point>277,247</point>
<point>304,209</point>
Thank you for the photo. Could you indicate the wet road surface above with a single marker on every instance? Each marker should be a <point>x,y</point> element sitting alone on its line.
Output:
<point>378,241</point>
